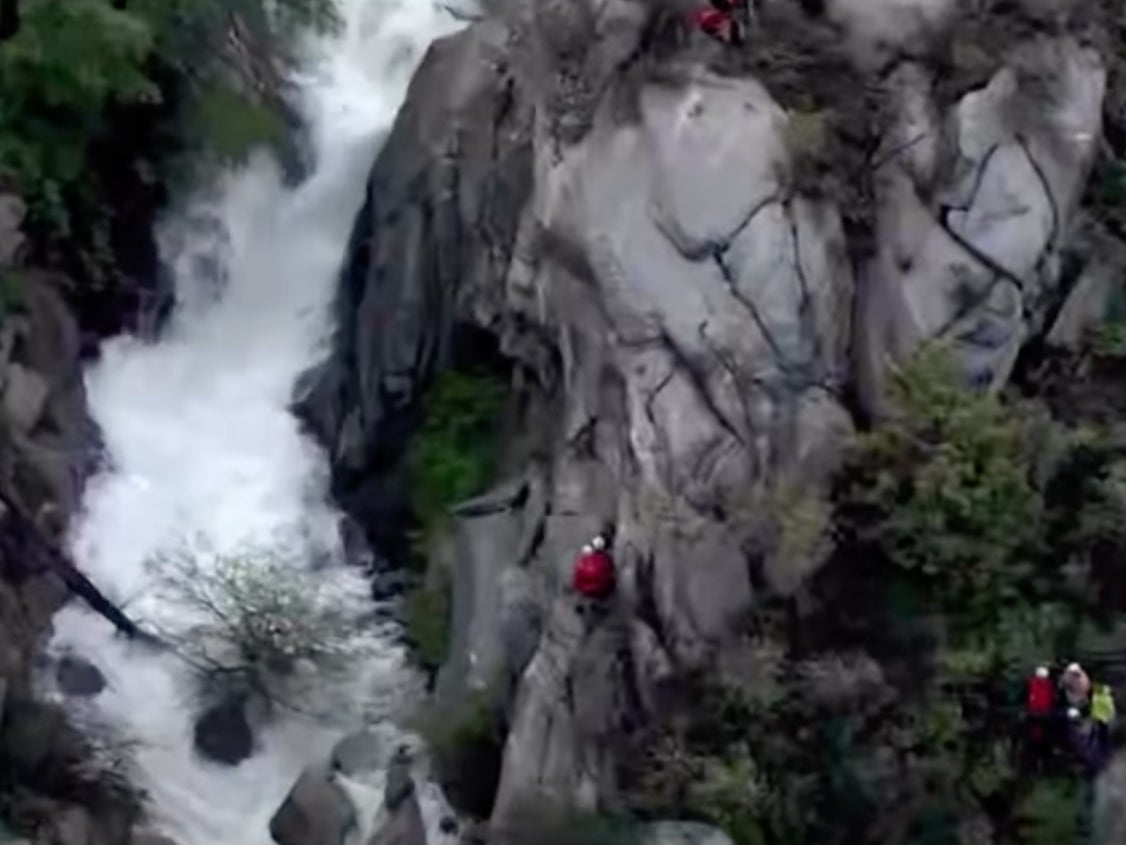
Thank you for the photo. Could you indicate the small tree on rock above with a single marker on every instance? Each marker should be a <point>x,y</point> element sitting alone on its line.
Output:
<point>264,624</point>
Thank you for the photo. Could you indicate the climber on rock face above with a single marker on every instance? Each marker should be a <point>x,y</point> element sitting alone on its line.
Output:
<point>720,22</point>
<point>594,575</point>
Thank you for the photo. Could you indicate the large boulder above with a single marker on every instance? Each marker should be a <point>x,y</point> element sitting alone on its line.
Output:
<point>316,812</point>
<point>79,677</point>
<point>223,733</point>
<point>970,237</point>
<point>50,439</point>
<point>403,826</point>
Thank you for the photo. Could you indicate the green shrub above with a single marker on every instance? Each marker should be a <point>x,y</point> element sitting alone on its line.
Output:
<point>451,457</point>
<point>12,293</point>
<point>69,60</point>
<point>1051,814</point>
<point>428,621</point>
<point>467,744</point>
<point>546,825</point>
<point>157,81</point>
<point>1109,340</point>
<point>229,126</point>
<point>265,624</point>
<point>950,488</point>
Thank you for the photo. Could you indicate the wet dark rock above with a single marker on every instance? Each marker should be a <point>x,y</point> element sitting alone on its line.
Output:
<point>389,585</point>
<point>223,734</point>
<point>316,812</point>
<point>400,784</point>
<point>358,753</point>
<point>404,826</point>
<point>77,676</point>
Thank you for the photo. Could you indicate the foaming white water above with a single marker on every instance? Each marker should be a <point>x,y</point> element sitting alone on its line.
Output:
<point>202,445</point>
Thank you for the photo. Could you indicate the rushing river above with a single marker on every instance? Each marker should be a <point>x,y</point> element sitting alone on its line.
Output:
<point>203,451</point>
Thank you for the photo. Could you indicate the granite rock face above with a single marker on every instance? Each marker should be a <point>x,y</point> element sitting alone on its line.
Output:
<point>680,325</point>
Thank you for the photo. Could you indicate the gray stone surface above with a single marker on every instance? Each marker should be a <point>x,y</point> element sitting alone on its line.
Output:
<point>24,396</point>
<point>404,826</point>
<point>981,268</point>
<point>12,212</point>
<point>358,753</point>
<point>683,833</point>
<point>316,812</point>
<point>681,329</point>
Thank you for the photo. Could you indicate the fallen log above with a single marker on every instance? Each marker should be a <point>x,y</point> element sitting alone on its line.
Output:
<point>70,574</point>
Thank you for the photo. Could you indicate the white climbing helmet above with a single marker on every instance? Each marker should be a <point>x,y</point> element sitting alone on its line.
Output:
<point>1041,671</point>
<point>1074,668</point>
<point>588,549</point>
<point>599,542</point>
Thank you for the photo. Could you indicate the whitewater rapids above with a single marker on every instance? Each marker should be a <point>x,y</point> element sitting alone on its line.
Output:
<point>201,445</point>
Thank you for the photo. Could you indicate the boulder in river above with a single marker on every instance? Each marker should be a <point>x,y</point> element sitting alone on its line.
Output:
<point>316,812</point>
<point>77,676</point>
<point>404,825</point>
<point>357,753</point>
<point>223,734</point>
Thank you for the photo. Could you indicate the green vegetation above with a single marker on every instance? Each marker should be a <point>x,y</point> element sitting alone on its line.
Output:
<point>144,85</point>
<point>1050,814</point>
<point>951,488</point>
<point>545,825</point>
<point>467,743</point>
<point>452,455</point>
<point>11,293</point>
<point>451,459</point>
<point>893,709</point>
<point>266,624</point>
<point>428,620</point>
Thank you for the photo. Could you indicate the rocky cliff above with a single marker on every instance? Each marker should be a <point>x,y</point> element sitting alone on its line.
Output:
<point>51,782</point>
<point>690,324</point>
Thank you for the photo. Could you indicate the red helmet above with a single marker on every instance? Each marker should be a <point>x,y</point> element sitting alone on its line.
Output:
<point>594,575</point>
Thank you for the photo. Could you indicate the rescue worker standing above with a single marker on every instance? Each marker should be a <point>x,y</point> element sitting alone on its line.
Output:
<point>1076,687</point>
<point>1039,709</point>
<point>1103,712</point>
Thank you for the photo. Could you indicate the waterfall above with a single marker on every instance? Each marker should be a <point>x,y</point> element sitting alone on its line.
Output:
<point>203,451</point>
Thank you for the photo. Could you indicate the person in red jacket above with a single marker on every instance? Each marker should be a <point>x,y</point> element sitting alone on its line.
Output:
<point>719,21</point>
<point>594,575</point>
<point>1039,708</point>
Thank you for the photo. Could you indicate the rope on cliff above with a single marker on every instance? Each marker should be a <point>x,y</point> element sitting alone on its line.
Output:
<point>75,581</point>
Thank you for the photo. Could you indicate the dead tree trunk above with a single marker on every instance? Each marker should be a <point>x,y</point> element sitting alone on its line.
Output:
<point>62,566</point>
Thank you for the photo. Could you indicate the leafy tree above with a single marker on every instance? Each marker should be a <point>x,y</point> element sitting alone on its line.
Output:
<point>69,60</point>
<point>265,624</point>
<point>950,488</point>
<point>158,82</point>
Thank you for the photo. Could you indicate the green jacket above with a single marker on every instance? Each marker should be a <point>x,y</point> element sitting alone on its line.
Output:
<point>1102,705</point>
